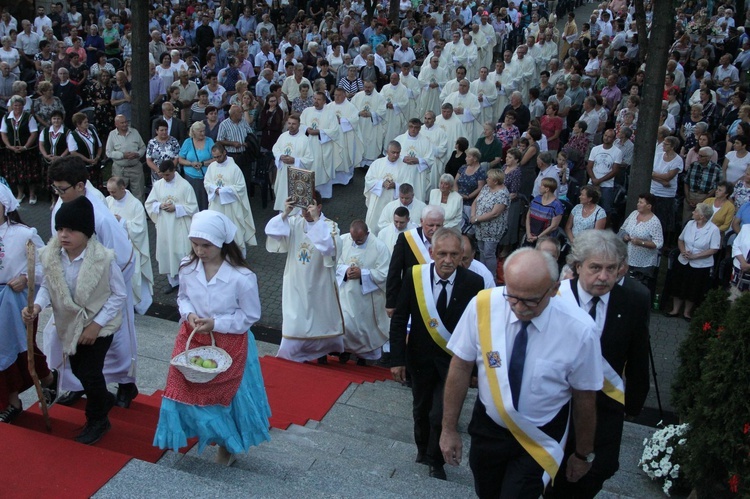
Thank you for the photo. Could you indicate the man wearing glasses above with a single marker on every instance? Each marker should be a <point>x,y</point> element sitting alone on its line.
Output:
<point>69,179</point>
<point>534,353</point>
<point>700,181</point>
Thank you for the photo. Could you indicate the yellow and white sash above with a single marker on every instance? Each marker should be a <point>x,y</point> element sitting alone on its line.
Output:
<point>545,450</point>
<point>417,246</point>
<point>427,309</point>
<point>614,386</point>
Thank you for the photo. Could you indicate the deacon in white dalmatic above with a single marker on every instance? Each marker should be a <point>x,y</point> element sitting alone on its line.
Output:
<point>396,98</point>
<point>383,180</point>
<point>312,323</point>
<point>371,107</point>
<point>351,143</point>
<point>291,149</point>
<point>129,211</point>
<point>361,274</point>
<point>324,134</point>
<point>227,194</point>
<point>171,205</point>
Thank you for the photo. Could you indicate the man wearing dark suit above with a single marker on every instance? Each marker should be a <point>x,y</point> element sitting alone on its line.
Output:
<point>411,250</point>
<point>435,296</point>
<point>176,126</point>
<point>621,314</point>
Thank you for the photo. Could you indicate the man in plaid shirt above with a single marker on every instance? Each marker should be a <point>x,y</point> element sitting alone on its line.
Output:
<point>700,181</point>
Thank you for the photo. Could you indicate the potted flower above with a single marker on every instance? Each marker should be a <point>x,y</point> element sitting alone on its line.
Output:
<point>664,456</point>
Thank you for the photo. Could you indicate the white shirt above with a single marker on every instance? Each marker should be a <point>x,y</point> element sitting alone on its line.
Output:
<point>698,240</point>
<point>604,160</point>
<point>585,301</point>
<point>562,354</point>
<point>482,271</point>
<point>437,288</point>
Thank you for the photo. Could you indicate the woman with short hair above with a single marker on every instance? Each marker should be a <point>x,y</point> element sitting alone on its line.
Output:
<point>489,214</point>
<point>195,156</point>
<point>19,133</point>
<point>449,199</point>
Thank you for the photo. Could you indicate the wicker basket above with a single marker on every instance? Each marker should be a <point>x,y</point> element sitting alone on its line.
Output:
<point>200,374</point>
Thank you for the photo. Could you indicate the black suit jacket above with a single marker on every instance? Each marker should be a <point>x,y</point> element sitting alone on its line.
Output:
<point>179,130</point>
<point>624,343</point>
<point>402,260</point>
<point>421,346</point>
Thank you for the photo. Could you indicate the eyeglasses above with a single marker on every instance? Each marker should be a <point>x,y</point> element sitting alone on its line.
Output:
<point>59,190</point>
<point>526,302</point>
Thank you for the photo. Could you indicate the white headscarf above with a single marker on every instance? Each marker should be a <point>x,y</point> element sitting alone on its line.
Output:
<point>7,199</point>
<point>212,226</point>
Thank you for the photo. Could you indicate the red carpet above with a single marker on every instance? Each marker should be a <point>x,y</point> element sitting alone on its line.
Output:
<point>34,463</point>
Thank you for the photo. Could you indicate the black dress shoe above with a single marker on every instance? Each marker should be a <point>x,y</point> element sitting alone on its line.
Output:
<point>421,459</point>
<point>50,392</point>
<point>361,362</point>
<point>11,413</point>
<point>93,431</point>
<point>344,357</point>
<point>126,392</point>
<point>438,472</point>
<point>69,398</point>
<point>323,360</point>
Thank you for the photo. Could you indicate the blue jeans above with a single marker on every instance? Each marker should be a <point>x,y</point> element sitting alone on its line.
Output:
<point>608,198</point>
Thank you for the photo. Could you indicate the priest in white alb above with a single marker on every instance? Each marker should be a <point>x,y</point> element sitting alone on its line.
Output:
<point>443,61</point>
<point>450,124</point>
<point>452,85</point>
<point>324,134</point>
<point>406,199</point>
<point>524,72</point>
<point>351,143</point>
<point>503,82</point>
<point>171,205</point>
<point>486,93</point>
<point>227,194</point>
<point>489,32</point>
<point>440,146</point>
<point>484,49</point>
<point>128,210</point>
<point>468,56</point>
<point>361,275</point>
<point>466,107</point>
<point>400,222</point>
<point>453,50</point>
<point>432,79</point>
<point>416,151</point>
<point>413,87</point>
<point>396,98</point>
<point>291,149</point>
<point>383,180</point>
<point>371,106</point>
<point>312,324</point>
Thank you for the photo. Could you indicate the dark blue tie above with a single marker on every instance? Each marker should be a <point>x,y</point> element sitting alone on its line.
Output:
<point>517,361</point>
<point>442,301</point>
<point>592,311</point>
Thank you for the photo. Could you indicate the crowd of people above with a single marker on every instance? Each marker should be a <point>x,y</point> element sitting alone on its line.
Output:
<point>483,128</point>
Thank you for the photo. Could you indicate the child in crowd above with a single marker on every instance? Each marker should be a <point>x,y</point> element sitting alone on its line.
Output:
<point>86,289</point>
<point>219,294</point>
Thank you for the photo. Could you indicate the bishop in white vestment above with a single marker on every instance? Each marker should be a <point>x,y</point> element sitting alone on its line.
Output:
<point>291,149</point>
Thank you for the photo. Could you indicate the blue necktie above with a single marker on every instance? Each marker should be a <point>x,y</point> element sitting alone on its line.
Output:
<point>592,311</point>
<point>442,301</point>
<point>517,361</point>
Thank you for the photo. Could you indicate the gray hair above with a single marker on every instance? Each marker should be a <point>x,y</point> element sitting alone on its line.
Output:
<point>708,151</point>
<point>195,128</point>
<point>547,157</point>
<point>432,210</point>
<point>629,132</point>
<point>592,242</point>
<point>446,232</point>
<point>473,151</point>
<point>554,272</point>
<point>701,126</point>
<point>17,98</point>
<point>447,178</point>
<point>705,210</point>
<point>17,86</point>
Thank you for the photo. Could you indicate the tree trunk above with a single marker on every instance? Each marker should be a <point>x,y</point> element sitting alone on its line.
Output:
<point>640,23</point>
<point>370,9</point>
<point>392,13</point>
<point>662,32</point>
<point>139,86</point>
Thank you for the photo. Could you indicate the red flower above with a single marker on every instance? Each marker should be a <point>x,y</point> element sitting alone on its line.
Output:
<point>734,483</point>
<point>746,428</point>
<point>706,326</point>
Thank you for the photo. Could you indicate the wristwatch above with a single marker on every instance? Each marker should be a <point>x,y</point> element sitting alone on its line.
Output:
<point>589,458</point>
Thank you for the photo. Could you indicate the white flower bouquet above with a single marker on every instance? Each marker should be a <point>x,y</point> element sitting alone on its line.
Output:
<point>661,457</point>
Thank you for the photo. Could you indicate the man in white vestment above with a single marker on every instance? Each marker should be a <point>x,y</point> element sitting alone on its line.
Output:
<point>351,143</point>
<point>440,146</point>
<point>324,133</point>
<point>69,179</point>
<point>383,180</point>
<point>361,274</point>
<point>523,72</point>
<point>443,60</point>
<point>489,32</point>
<point>451,126</point>
<point>486,93</point>
<point>413,87</point>
<point>416,151</point>
<point>400,222</point>
<point>406,200</point>
<point>396,101</point>
<point>371,106</point>
<point>432,78</point>
<point>227,194</point>
<point>129,211</point>
<point>534,50</point>
<point>452,85</point>
<point>484,49</point>
<point>469,262</point>
<point>466,106</point>
<point>501,77</point>
<point>548,50</point>
<point>171,205</point>
<point>312,323</point>
<point>291,149</point>
<point>468,56</point>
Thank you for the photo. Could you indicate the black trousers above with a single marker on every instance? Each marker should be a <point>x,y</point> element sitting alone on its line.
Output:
<point>427,384</point>
<point>501,466</point>
<point>609,421</point>
<point>87,365</point>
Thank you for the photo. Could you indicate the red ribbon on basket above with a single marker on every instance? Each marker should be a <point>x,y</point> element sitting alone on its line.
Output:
<point>220,390</point>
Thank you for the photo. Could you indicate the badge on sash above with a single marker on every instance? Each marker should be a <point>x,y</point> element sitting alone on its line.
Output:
<point>433,322</point>
<point>493,359</point>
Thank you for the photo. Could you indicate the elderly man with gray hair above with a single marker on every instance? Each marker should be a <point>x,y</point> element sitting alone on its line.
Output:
<point>621,318</point>
<point>701,180</point>
<point>7,79</point>
<point>125,148</point>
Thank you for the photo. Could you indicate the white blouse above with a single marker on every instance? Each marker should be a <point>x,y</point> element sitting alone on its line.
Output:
<point>698,240</point>
<point>230,298</point>
<point>13,239</point>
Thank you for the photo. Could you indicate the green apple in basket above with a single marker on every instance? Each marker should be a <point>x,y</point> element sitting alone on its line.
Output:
<point>197,360</point>
<point>210,364</point>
